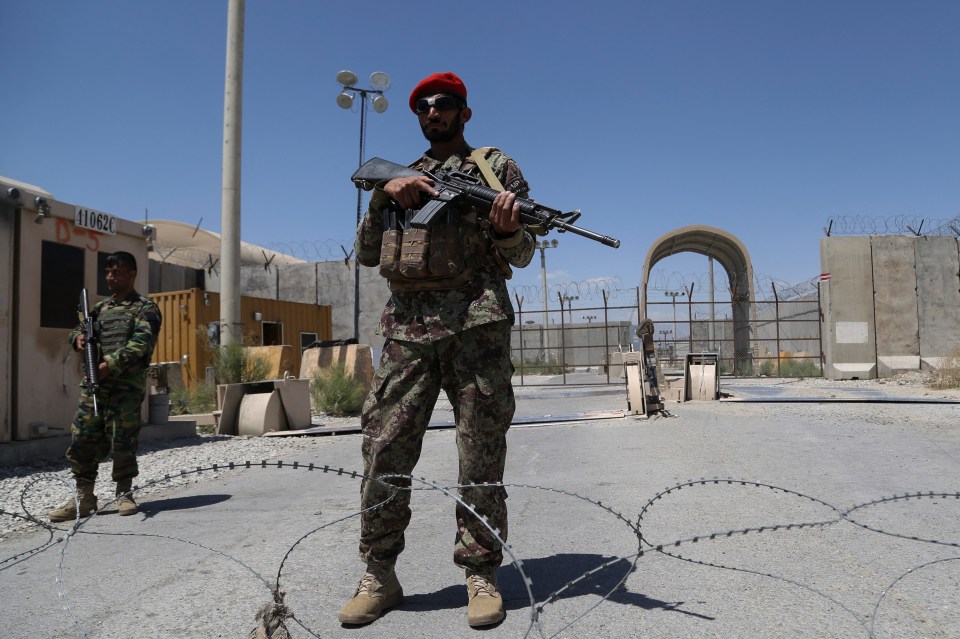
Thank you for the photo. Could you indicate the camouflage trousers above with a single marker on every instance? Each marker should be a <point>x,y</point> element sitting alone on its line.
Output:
<point>115,430</point>
<point>474,369</point>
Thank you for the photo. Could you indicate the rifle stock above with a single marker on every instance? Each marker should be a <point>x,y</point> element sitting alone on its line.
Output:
<point>454,185</point>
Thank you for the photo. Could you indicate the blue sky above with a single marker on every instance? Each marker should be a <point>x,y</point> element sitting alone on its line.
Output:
<point>762,118</point>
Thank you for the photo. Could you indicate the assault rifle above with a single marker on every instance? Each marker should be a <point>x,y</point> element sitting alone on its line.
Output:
<point>90,359</point>
<point>456,186</point>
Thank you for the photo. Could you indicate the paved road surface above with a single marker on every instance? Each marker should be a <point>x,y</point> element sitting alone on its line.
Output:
<point>200,560</point>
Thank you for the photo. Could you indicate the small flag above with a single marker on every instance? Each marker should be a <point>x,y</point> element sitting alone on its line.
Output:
<point>824,277</point>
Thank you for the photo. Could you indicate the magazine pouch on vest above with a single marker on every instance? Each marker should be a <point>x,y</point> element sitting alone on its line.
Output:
<point>390,254</point>
<point>444,256</point>
<point>414,245</point>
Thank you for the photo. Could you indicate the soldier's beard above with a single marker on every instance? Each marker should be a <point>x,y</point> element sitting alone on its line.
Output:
<point>443,135</point>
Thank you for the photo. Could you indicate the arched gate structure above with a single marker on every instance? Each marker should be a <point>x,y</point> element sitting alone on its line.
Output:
<point>733,257</point>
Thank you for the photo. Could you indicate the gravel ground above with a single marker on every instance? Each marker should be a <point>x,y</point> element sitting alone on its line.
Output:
<point>43,487</point>
<point>48,485</point>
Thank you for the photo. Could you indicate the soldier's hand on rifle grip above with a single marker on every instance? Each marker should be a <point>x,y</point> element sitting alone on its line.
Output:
<point>406,191</point>
<point>102,371</point>
<point>505,213</point>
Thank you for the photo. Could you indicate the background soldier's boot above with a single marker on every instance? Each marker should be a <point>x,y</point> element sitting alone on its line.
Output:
<point>484,604</point>
<point>68,510</point>
<point>125,502</point>
<point>376,592</point>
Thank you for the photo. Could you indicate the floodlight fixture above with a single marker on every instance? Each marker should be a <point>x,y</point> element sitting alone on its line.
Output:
<point>347,78</point>
<point>345,100</point>
<point>380,104</point>
<point>380,80</point>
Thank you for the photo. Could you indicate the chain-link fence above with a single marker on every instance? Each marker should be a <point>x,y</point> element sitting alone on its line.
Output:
<point>582,344</point>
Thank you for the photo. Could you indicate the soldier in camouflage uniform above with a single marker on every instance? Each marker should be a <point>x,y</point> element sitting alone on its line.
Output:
<point>446,327</point>
<point>127,326</point>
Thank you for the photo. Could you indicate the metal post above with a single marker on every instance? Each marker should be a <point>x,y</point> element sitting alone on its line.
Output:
<point>820,328</point>
<point>713,315</point>
<point>231,331</point>
<point>690,319</point>
<point>519,299</point>
<point>563,343</point>
<point>543,279</point>
<point>606,337</point>
<point>776,314</point>
<point>348,80</point>
<point>356,262</point>
<point>543,245</point>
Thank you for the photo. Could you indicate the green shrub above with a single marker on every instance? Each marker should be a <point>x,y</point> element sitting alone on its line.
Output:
<point>336,393</point>
<point>233,364</point>
<point>791,368</point>
<point>948,374</point>
<point>184,401</point>
<point>800,368</point>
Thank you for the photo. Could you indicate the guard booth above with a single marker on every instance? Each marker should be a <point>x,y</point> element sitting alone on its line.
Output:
<point>49,251</point>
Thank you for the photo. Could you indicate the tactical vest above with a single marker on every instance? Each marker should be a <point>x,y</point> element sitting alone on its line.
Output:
<point>445,256</point>
<point>115,324</point>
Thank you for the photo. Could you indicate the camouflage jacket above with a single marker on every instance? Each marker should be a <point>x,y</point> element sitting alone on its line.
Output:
<point>425,316</point>
<point>127,364</point>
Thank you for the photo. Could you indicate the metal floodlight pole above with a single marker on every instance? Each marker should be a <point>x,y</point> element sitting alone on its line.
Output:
<point>380,82</point>
<point>673,295</point>
<point>543,245</point>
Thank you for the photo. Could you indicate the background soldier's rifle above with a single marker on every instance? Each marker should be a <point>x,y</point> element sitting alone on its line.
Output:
<point>456,186</point>
<point>91,359</point>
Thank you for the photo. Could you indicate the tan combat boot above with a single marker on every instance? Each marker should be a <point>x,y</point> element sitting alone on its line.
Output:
<point>375,594</point>
<point>484,604</point>
<point>68,510</point>
<point>125,503</point>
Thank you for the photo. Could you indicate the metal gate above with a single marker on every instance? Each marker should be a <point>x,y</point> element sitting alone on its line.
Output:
<point>577,343</point>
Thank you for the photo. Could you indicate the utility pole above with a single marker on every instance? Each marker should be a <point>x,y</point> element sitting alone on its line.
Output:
<point>231,326</point>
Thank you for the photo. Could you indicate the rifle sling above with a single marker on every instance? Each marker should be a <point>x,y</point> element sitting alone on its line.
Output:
<point>477,156</point>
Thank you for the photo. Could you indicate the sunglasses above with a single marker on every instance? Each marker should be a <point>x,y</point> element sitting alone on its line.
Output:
<point>438,102</point>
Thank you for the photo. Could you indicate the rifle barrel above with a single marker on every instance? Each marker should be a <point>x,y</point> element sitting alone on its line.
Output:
<point>536,213</point>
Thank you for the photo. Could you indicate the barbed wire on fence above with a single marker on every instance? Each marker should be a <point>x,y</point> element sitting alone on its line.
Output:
<point>579,294</point>
<point>280,613</point>
<point>892,225</point>
<point>315,250</point>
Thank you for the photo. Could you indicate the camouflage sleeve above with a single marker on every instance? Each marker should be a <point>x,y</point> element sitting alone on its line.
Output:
<point>519,248</point>
<point>370,232</point>
<point>139,347</point>
<point>74,334</point>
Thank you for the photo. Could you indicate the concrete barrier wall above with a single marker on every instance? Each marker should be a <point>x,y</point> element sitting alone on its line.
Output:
<point>890,304</point>
<point>849,339</point>
<point>938,293</point>
<point>895,304</point>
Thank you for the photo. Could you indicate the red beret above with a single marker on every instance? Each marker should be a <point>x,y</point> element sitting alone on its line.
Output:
<point>438,83</point>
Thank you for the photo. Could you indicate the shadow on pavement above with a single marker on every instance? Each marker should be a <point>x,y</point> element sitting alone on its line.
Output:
<point>154,507</point>
<point>550,574</point>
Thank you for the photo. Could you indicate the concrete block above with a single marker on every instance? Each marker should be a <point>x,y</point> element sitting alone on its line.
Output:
<point>292,400</point>
<point>895,304</point>
<point>281,359</point>
<point>938,298</point>
<point>356,358</point>
<point>260,413</point>
<point>849,341</point>
<point>295,398</point>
